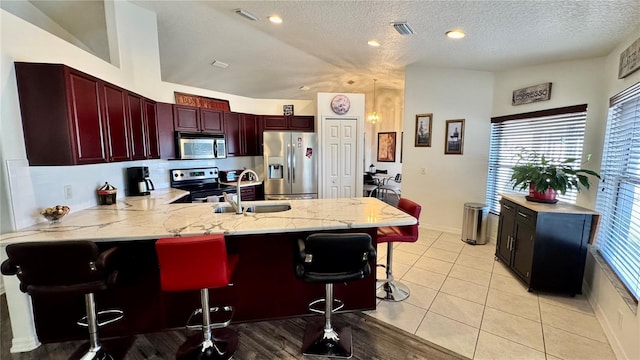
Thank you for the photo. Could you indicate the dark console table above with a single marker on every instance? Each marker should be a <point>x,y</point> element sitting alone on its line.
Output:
<point>545,245</point>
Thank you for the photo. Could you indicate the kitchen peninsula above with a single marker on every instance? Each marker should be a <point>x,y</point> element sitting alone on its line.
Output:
<point>264,283</point>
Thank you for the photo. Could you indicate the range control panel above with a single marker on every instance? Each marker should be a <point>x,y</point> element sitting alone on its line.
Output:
<point>178,175</point>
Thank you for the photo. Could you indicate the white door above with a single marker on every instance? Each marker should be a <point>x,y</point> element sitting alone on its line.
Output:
<point>340,140</point>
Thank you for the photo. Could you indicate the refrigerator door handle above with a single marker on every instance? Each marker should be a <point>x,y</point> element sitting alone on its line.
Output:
<point>288,164</point>
<point>293,160</point>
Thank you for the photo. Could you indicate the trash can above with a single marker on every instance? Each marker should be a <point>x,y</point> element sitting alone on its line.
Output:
<point>474,223</point>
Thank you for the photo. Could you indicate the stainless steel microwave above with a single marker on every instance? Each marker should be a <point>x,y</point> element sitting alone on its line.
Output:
<point>200,146</point>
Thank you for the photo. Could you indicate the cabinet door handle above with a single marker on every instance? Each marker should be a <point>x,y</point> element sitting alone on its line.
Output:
<point>509,240</point>
<point>523,215</point>
<point>507,207</point>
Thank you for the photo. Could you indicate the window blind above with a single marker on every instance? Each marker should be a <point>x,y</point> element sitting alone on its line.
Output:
<point>619,198</point>
<point>556,133</point>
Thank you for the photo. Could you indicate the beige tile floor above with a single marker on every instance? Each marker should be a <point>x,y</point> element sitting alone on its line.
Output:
<point>465,301</point>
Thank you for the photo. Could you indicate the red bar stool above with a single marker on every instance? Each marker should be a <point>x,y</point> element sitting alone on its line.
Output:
<point>200,263</point>
<point>390,289</point>
<point>331,258</point>
<point>50,268</point>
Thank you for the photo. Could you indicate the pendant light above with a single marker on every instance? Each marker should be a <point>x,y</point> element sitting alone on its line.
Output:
<point>374,118</point>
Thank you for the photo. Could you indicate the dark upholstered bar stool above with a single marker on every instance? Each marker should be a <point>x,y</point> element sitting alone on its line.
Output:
<point>330,258</point>
<point>390,289</point>
<point>49,268</point>
<point>200,263</point>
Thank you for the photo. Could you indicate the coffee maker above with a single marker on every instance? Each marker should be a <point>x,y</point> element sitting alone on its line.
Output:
<point>138,182</point>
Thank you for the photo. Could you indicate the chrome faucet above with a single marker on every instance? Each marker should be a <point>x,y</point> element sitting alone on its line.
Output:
<point>238,205</point>
<point>229,198</point>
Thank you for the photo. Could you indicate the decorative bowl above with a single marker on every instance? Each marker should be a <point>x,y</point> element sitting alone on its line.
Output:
<point>55,214</point>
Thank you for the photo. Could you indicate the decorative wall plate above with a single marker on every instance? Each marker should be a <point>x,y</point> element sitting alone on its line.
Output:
<point>340,104</point>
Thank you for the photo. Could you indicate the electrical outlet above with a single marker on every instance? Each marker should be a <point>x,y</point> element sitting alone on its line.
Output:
<point>423,171</point>
<point>68,193</point>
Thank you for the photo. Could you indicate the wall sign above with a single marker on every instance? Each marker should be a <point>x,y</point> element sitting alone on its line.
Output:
<point>287,110</point>
<point>629,60</point>
<point>201,101</point>
<point>531,94</point>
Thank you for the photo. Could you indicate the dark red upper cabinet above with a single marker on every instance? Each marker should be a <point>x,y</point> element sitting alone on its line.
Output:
<point>61,115</point>
<point>166,139</point>
<point>294,123</point>
<point>186,118</point>
<point>86,118</point>
<point>232,133</point>
<point>153,136</point>
<point>211,121</point>
<point>250,135</point>
<point>301,123</point>
<point>138,128</point>
<point>275,122</point>
<point>194,119</point>
<point>117,123</point>
<point>72,118</point>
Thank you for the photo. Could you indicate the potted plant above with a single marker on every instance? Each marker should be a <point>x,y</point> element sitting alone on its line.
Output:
<point>546,177</point>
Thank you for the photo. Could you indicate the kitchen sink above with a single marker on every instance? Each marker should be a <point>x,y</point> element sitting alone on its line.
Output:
<point>268,208</point>
<point>254,208</point>
<point>224,210</point>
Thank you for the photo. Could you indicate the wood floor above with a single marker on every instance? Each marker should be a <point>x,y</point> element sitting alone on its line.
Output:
<point>282,339</point>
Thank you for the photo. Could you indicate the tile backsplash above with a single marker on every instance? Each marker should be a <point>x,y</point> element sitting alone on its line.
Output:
<point>35,187</point>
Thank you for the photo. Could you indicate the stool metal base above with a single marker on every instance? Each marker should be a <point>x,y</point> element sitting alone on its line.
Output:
<point>391,290</point>
<point>222,347</point>
<point>317,343</point>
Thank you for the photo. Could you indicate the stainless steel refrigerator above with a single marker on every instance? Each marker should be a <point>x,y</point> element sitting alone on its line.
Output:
<point>291,166</point>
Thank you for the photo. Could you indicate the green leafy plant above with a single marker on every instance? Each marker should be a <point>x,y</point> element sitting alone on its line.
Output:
<point>544,173</point>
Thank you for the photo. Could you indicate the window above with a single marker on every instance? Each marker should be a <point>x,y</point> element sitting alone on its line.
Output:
<point>619,200</point>
<point>556,133</point>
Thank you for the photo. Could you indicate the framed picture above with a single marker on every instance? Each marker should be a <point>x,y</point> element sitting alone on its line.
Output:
<point>454,137</point>
<point>401,145</point>
<point>423,130</point>
<point>387,147</point>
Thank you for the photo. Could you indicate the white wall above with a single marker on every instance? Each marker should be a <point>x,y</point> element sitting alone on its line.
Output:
<point>620,322</point>
<point>573,83</point>
<point>448,181</point>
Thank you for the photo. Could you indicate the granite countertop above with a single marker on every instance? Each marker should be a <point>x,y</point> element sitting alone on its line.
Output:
<point>559,207</point>
<point>153,216</point>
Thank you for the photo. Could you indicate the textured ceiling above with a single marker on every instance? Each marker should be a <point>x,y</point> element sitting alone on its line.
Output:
<point>323,44</point>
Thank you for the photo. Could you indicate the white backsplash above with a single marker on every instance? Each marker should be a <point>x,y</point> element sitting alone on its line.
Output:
<point>35,187</point>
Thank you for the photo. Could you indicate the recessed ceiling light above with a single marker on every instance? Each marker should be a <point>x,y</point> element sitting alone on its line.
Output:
<point>304,88</point>
<point>219,64</point>
<point>373,43</point>
<point>455,34</point>
<point>275,19</point>
<point>244,13</point>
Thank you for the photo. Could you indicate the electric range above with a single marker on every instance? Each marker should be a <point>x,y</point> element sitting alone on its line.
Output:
<point>202,183</point>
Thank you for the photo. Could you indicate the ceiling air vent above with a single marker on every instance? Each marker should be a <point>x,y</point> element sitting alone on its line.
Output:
<point>402,27</point>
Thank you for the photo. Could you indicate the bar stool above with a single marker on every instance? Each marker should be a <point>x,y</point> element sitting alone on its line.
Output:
<point>390,289</point>
<point>48,268</point>
<point>330,258</point>
<point>200,263</point>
